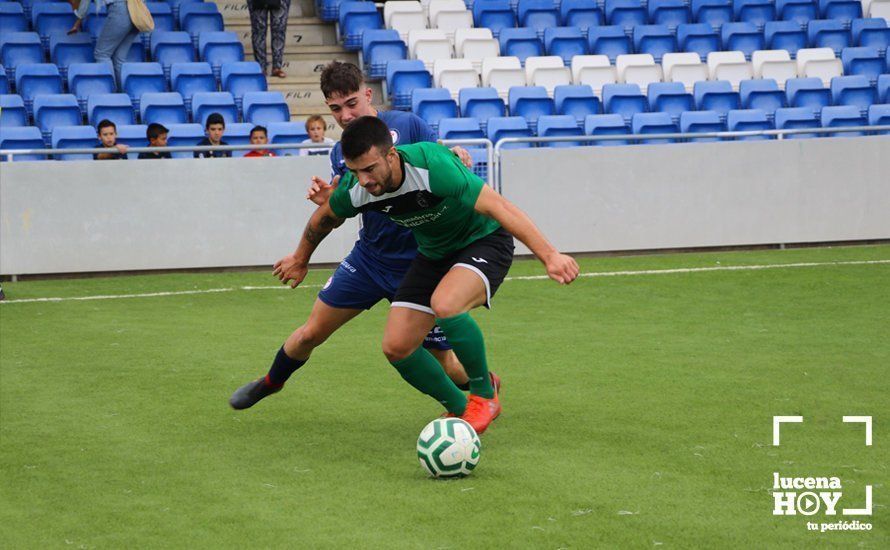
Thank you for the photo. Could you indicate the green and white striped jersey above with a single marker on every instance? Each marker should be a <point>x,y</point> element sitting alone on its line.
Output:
<point>436,200</point>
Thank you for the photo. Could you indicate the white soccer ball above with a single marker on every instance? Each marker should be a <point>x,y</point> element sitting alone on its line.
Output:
<point>448,447</point>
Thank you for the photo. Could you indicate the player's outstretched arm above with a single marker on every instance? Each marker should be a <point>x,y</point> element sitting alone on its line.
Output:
<point>560,267</point>
<point>293,267</point>
<point>320,191</point>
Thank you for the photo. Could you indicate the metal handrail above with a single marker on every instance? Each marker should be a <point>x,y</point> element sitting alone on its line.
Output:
<point>10,153</point>
<point>779,134</point>
<point>489,152</point>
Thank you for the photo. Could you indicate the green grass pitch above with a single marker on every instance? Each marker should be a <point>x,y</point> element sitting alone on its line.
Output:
<point>637,412</point>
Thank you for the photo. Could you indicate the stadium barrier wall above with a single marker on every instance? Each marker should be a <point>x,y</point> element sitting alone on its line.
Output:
<point>68,217</point>
<point>82,216</point>
<point>668,196</point>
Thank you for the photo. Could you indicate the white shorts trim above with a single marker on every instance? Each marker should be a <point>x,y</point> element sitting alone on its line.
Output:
<point>477,271</point>
<point>416,307</point>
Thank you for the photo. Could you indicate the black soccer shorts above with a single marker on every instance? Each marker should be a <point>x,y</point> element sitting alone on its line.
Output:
<point>490,258</point>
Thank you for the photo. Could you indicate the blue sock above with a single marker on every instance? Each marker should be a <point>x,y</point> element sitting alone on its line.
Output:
<point>282,367</point>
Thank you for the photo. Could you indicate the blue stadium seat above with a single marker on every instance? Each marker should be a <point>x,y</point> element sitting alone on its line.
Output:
<point>559,126</point>
<point>206,103</point>
<point>757,12</point>
<point>189,78</point>
<point>716,95</point>
<point>433,104</point>
<point>404,76</point>
<point>219,48</point>
<point>671,13</point>
<point>65,50</point>
<point>51,17</point>
<point>522,43</point>
<point>654,123</point>
<point>609,41</point>
<point>794,118</point>
<point>12,18</point>
<point>840,10</point>
<point>749,120</point>
<point>699,38</point>
<point>177,6</point>
<point>864,61</point>
<point>606,125</point>
<point>164,108</point>
<point>855,90</point>
<point>626,14</point>
<point>743,37</point>
<point>168,48</point>
<point>538,15</point>
<point>241,77</point>
<point>56,110</point>
<point>671,98</point>
<point>34,79</point>
<point>530,102</point>
<point>871,33</point>
<point>19,48</point>
<point>884,88</point>
<point>12,111</point>
<point>379,46</point>
<point>842,116</point>
<point>115,107</point>
<point>785,35</point>
<point>94,22</point>
<point>86,79</point>
<point>197,18</point>
<point>137,53</point>
<point>508,127</point>
<point>625,100</point>
<point>74,137</point>
<point>656,40</point>
<point>183,134</point>
<point>265,108</point>
<point>828,33</point>
<point>701,122</point>
<point>713,12</point>
<point>355,18</point>
<point>141,78</point>
<point>238,133</point>
<point>576,101</point>
<point>763,95</point>
<point>566,42</point>
<point>21,137</point>
<point>581,13</point>
<point>879,115</point>
<point>494,14</point>
<point>4,81</point>
<point>132,135</point>
<point>162,14</point>
<point>799,12</point>
<point>481,104</point>
<point>460,128</point>
<point>287,132</point>
<point>328,10</point>
<point>807,93</point>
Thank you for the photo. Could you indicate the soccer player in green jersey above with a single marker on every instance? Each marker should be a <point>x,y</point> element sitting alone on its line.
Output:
<point>464,232</point>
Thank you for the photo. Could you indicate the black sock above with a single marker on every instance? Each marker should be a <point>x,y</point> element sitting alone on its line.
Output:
<point>282,367</point>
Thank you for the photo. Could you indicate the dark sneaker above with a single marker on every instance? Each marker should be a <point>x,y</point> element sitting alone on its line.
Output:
<point>249,394</point>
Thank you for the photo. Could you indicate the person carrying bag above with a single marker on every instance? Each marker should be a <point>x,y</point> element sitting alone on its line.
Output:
<point>118,32</point>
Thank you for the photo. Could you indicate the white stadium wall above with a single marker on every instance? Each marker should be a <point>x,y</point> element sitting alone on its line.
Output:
<point>64,217</point>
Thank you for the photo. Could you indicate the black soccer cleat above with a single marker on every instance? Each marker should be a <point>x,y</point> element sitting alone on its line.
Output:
<point>249,394</point>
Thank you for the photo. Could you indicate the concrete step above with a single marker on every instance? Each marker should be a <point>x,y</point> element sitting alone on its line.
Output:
<point>298,36</point>
<point>305,97</point>
<point>237,11</point>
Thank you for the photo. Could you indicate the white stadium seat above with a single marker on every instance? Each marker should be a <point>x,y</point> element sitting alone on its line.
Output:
<point>405,22</point>
<point>547,71</point>
<point>429,45</point>
<point>593,70</point>
<point>502,73</point>
<point>731,66</point>
<point>685,68</point>
<point>399,6</point>
<point>454,74</point>
<point>819,63</point>
<point>775,64</point>
<point>475,45</point>
<point>638,69</point>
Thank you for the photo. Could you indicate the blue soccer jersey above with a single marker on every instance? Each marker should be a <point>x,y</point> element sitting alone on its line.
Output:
<point>379,237</point>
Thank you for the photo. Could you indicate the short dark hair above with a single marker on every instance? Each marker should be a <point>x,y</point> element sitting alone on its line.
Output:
<point>155,130</point>
<point>259,129</point>
<point>362,134</point>
<point>341,79</point>
<point>214,118</point>
<point>105,123</point>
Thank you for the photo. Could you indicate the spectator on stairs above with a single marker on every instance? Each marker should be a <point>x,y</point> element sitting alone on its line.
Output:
<point>262,13</point>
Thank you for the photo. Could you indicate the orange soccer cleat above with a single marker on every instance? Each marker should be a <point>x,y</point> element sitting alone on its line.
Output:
<point>481,412</point>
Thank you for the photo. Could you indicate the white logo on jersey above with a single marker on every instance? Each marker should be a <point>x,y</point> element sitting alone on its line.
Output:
<point>480,260</point>
<point>395,136</point>
<point>386,210</point>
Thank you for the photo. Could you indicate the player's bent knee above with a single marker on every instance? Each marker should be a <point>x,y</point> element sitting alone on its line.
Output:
<point>444,308</point>
<point>396,350</point>
<point>308,336</point>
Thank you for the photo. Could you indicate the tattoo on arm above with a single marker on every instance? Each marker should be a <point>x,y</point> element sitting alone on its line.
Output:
<point>325,225</point>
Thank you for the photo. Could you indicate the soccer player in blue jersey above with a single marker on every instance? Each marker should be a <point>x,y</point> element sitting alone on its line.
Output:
<point>376,265</point>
